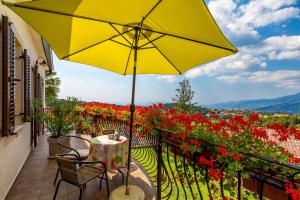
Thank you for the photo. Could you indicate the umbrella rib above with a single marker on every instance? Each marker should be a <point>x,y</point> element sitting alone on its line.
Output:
<point>151,41</point>
<point>162,54</point>
<point>120,43</point>
<point>68,15</point>
<point>147,48</point>
<point>192,40</point>
<point>168,60</point>
<point>121,34</point>
<point>128,61</point>
<point>128,58</point>
<point>152,9</point>
<point>76,52</point>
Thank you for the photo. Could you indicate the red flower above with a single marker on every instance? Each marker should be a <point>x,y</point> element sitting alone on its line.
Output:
<point>236,157</point>
<point>195,142</point>
<point>215,175</point>
<point>280,131</point>
<point>214,116</point>
<point>234,128</point>
<point>223,151</point>
<point>294,159</point>
<point>295,132</point>
<point>259,133</point>
<point>254,117</point>
<point>183,135</point>
<point>290,189</point>
<point>203,161</point>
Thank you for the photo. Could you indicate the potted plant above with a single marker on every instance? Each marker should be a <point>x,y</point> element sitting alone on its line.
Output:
<point>59,119</point>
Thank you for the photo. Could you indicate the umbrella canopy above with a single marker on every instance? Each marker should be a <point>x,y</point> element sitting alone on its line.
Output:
<point>128,36</point>
<point>176,35</point>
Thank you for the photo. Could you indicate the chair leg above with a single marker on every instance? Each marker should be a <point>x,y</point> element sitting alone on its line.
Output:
<point>122,175</point>
<point>107,189</point>
<point>56,190</point>
<point>101,178</point>
<point>80,194</point>
<point>56,176</point>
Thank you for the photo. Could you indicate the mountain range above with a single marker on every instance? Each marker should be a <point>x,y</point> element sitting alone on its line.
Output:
<point>287,104</point>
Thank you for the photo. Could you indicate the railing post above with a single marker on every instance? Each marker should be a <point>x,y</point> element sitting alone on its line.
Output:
<point>239,185</point>
<point>159,164</point>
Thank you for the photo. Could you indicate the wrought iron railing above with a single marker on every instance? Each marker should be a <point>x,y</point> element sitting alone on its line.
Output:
<point>178,175</point>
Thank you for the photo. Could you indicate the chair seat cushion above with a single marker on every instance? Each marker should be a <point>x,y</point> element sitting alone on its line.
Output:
<point>84,153</point>
<point>87,172</point>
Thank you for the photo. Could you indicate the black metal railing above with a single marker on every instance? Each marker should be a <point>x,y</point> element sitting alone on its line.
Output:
<point>178,175</point>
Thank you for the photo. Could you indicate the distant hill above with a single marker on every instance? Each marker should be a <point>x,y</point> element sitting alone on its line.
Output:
<point>288,104</point>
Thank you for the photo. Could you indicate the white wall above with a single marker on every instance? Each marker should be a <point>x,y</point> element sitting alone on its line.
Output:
<point>15,149</point>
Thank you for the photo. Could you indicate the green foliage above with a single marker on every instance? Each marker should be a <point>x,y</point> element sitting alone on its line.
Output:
<point>52,83</point>
<point>287,121</point>
<point>59,119</point>
<point>184,96</point>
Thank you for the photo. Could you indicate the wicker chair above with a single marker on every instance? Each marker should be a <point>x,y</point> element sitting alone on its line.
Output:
<point>107,131</point>
<point>79,173</point>
<point>67,147</point>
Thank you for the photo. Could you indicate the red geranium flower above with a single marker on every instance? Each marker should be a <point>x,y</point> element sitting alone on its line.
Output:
<point>215,175</point>
<point>294,159</point>
<point>195,142</point>
<point>223,151</point>
<point>236,157</point>
<point>214,116</point>
<point>254,117</point>
<point>203,161</point>
<point>259,133</point>
<point>290,189</point>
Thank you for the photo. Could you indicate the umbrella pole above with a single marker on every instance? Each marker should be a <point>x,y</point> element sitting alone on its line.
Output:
<point>132,108</point>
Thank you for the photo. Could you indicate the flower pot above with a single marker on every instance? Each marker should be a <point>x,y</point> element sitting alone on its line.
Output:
<point>54,146</point>
<point>269,191</point>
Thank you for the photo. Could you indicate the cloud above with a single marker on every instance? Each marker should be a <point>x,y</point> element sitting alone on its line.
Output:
<point>282,47</point>
<point>226,15</point>
<point>168,78</point>
<point>239,22</point>
<point>230,79</point>
<point>245,59</point>
<point>252,57</point>
<point>289,79</point>
<point>259,13</point>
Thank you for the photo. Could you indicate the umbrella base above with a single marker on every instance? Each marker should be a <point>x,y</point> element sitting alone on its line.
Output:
<point>135,193</point>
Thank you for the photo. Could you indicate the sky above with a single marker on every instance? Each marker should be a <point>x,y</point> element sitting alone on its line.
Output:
<point>267,34</point>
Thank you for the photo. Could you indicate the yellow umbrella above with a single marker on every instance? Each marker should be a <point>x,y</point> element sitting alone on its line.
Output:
<point>128,36</point>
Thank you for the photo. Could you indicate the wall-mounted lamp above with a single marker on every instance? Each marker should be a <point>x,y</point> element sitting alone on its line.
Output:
<point>41,61</point>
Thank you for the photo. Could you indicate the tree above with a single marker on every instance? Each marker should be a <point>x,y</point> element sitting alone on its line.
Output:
<point>184,96</point>
<point>52,83</point>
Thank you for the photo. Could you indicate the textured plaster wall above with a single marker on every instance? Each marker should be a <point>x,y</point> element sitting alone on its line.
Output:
<point>14,149</point>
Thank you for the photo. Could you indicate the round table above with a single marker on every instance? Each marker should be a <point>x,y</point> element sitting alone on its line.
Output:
<point>114,153</point>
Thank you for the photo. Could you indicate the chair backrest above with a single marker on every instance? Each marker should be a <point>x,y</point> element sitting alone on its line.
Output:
<point>67,169</point>
<point>64,143</point>
<point>108,131</point>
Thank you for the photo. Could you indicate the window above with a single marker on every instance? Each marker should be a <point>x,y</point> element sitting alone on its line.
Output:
<point>8,51</point>
<point>15,80</point>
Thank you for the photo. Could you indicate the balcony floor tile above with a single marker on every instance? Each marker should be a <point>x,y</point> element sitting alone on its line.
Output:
<point>35,181</point>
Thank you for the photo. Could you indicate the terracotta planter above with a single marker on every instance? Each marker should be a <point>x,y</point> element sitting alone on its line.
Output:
<point>269,191</point>
<point>54,147</point>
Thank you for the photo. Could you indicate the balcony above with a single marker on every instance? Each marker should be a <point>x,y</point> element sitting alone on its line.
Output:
<point>35,181</point>
<point>166,171</point>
